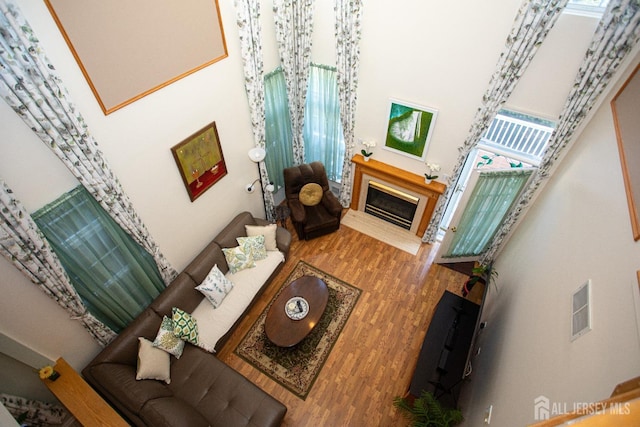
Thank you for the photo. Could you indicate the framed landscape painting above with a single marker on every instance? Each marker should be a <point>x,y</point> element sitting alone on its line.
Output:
<point>409,129</point>
<point>200,160</point>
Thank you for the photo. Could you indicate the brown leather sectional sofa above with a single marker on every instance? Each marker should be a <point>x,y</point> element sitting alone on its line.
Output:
<point>203,390</point>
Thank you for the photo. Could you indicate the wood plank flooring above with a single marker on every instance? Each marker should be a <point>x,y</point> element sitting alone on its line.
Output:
<point>374,357</point>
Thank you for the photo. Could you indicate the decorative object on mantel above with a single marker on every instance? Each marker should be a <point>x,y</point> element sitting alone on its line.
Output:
<point>433,167</point>
<point>365,152</point>
<point>48,373</point>
<point>200,160</point>
<point>410,128</point>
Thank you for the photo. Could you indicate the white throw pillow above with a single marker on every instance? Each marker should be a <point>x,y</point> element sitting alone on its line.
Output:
<point>215,286</point>
<point>153,362</point>
<point>268,231</point>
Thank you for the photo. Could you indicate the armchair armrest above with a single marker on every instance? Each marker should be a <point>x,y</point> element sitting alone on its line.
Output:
<point>297,210</point>
<point>331,203</point>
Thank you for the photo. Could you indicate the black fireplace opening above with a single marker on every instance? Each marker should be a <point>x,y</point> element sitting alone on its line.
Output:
<point>391,205</point>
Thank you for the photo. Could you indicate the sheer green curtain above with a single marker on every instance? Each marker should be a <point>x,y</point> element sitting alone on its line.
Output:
<point>492,196</point>
<point>323,138</point>
<point>115,277</point>
<point>279,137</point>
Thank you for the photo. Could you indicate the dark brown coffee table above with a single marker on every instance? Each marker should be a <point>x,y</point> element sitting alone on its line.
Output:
<point>286,332</point>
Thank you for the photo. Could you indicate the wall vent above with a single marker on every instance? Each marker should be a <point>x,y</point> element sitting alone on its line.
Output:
<point>581,311</point>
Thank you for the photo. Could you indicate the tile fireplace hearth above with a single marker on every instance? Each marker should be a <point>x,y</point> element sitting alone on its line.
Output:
<point>401,192</point>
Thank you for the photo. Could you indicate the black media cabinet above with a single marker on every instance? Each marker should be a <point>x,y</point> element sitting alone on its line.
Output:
<point>445,350</point>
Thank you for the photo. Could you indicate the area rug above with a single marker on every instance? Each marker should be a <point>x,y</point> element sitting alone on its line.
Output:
<point>382,230</point>
<point>297,368</point>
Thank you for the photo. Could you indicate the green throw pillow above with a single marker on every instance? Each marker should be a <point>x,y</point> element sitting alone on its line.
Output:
<point>255,244</point>
<point>166,340</point>
<point>185,327</point>
<point>238,258</point>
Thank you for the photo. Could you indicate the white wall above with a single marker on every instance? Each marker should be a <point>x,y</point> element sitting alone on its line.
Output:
<point>578,229</point>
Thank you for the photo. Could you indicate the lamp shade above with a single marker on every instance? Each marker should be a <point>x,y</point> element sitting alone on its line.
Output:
<point>257,154</point>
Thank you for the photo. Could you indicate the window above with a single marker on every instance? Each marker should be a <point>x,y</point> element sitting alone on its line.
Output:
<point>323,137</point>
<point>518,136</point>
<point>114,276</point>
<point>278,134</point>
<point>594,8</point>
<point>322,132</point>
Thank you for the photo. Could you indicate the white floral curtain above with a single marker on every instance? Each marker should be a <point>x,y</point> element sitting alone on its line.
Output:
<point>348,35</point>
<point>294,26</point>
<point>534,20</point>
<point>24,245</point>
<point>29,84</point>
<point>249,29</point>
<point>617,33</point>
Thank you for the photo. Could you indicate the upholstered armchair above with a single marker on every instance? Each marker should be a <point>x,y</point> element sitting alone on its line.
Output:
<point>315,210</point>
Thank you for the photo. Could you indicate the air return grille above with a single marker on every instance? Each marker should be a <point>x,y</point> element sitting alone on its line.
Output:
<point>581,311</point>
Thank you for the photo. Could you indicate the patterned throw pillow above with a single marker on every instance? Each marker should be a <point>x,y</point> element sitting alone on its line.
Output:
<point>238,259</point>
<point>215,286</point>
<point>255,244</point>
<point>166,340</point>
<point>153,363</point>
<point>269,233</point>
<point>185,327</point>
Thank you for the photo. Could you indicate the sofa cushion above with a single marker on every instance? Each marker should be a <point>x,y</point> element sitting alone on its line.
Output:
<point>238,258</point>
<point>166,340</point>
<point>120,381</point>
<point>269,233</point>
<point>153,363</point>
<point>255,244</point>
<point>171,412</point>
<point>215,287</point>
<point>213,324</point>
<point>202,264</point>
<point>236,228</point>
<point>180,293</point>
<point>184,326</point>
<point>220,394</point>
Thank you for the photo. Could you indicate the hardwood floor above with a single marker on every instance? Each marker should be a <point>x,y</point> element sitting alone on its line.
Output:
<point>374,357</point>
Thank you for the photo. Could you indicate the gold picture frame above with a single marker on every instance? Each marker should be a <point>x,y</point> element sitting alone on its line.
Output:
<point>200,160</point>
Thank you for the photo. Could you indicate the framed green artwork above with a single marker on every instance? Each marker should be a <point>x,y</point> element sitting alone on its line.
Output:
<point>200,160</point>
<point>409,129</point>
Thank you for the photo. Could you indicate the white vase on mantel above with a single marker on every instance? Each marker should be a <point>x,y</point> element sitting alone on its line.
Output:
<point>366,158</point>
<point>427,180</point>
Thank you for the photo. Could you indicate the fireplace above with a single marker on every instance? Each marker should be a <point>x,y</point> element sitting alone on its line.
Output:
<point>400,181</point>
<point>391,205</point>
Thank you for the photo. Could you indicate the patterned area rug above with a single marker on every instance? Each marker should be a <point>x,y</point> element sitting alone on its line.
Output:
<point>297,368</point>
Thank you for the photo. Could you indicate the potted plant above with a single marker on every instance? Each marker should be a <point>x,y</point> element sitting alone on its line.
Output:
<point>366,153</point>
<point>429,176</point>
<point>426,411</point>
<point>480,273</point>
